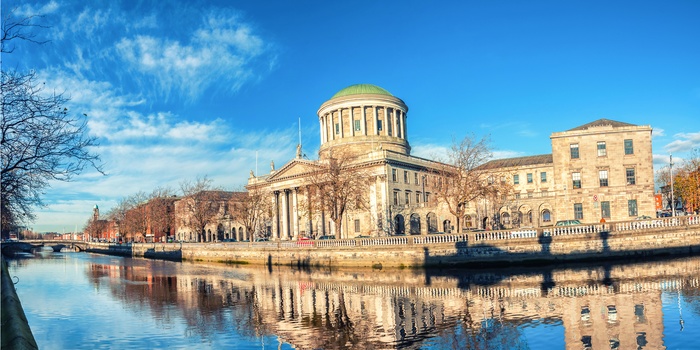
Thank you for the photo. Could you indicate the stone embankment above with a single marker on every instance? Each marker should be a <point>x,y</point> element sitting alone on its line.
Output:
<point>667,236</point>
<point>16,333</point>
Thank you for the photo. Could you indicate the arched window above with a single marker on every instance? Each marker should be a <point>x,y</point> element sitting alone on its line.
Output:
<point>546,216</point>
<point>242,234</point>
<point>233,233</point>
<point>415,224</point>
<point>447,226</point>
<point>399,227</point>
<point>505,218</point>
<point>468,221</point>
<point>431,218</point>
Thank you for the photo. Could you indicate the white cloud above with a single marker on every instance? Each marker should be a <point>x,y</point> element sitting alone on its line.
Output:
<point>501,154</point>
<point>684,142</point>
<point>27,10</point>
<point>657,132</point>
<point>224,52</point>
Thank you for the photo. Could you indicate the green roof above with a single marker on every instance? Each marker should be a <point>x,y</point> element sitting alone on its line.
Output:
<point>359,89</point>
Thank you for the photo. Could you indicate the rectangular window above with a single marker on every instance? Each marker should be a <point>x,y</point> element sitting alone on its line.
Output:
<point>603,178</point>
<point>529,178</point>
<point>396,198</point>
<point>574,151</point>
<point>632,207</point>
<point>337,128</point>
<point>490,180</point>
<point>405,176</point>
<point>357,125</point>
<point>602,151</point>
<point>417,197</point>
<point>629,172</point>
<point>415,178</point>
<point>427,197</point>
<point>629,147</point>
<point>379,126</point>
<point>357,225</point>
<point>517,196</point>
<point>408,198</point>
<point>578,211</point>
<point>543,176</point>
<point>516,179</point>
<point>605,210</point>
<point>393,175</point>
<point>576,177</point>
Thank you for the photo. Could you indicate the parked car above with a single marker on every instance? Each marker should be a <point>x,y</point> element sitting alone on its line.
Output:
<point>262,239</point>
<point>643,217</point>
<point>568,222</point>
<point>323,238</point>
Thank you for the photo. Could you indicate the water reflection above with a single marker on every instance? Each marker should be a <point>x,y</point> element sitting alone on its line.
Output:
<point>608,306</point>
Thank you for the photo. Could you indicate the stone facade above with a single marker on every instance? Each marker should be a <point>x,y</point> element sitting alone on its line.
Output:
<point>369,124</point>
<point>600,170</point>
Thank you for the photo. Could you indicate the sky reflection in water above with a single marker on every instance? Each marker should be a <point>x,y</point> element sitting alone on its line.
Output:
<point>84,301</point>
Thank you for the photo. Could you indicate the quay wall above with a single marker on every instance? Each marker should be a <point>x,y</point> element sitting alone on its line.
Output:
<point>509,247</point>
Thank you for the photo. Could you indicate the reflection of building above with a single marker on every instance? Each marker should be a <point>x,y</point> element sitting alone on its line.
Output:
<point>602,169</point>
<point>598,307</point>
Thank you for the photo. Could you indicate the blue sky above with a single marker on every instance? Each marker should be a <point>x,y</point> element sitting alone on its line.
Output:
<point>178,90</point>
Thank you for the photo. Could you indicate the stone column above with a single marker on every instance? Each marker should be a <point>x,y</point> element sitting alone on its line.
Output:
<point>285,215</point>
<point>403,125</point>
<point>352,122</point>
<point>399,123</point>
<point>386,121</point>
<point>340,122</point>
<point>376,120</point>
<point>275,215</point>
<point>295,213</point>
<point>363,121</point>
<point>320,122</point>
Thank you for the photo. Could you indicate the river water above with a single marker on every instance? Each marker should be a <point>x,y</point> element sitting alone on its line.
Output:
<point>87,301</point>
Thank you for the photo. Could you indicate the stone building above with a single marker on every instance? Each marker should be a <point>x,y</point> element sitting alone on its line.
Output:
<point>600,170</point>
<point>367,124</point>
<point>212,211</point>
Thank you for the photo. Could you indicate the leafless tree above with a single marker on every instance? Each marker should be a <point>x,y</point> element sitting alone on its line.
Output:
<point>461,180</point>
<point>201,202</point>
<point>337,184</point>
<point>41,140</point>
<point>251,208</point>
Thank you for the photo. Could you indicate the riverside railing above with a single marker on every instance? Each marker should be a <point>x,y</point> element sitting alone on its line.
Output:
<point>474,237</point>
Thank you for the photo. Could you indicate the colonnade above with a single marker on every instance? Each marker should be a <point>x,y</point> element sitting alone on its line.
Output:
<point>285,214</point>
<point>393,123</point>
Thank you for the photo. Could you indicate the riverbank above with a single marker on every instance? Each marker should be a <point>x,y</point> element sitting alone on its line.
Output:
<point>542,246</point>
<point>16,333</point>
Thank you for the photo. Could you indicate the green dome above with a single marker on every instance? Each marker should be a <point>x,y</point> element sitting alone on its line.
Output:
<point>359,89</point>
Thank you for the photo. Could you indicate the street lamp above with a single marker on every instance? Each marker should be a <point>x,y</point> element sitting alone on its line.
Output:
<point>673,204</point>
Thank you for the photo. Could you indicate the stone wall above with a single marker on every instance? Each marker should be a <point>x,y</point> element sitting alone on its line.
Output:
<point>548,245</point>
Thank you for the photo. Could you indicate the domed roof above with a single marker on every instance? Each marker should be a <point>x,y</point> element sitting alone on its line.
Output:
<point>359,89</point>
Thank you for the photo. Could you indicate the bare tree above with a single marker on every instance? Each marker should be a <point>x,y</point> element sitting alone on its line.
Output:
<point>460,180</point>
<point>337,184</point>
<point>41,141</point>
<point>200,204</point>
<point>251,208</point>
<point>161,214</point>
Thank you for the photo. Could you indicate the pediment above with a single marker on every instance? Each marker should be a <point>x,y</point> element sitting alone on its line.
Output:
<point>294,168</point>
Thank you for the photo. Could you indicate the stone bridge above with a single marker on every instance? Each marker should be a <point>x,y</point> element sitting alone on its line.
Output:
<point>56,245</point>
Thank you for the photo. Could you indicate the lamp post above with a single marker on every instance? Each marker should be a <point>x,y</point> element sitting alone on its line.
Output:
<point>673,204</point>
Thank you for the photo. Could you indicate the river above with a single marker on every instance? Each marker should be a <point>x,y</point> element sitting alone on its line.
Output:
<point>86,301</point>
